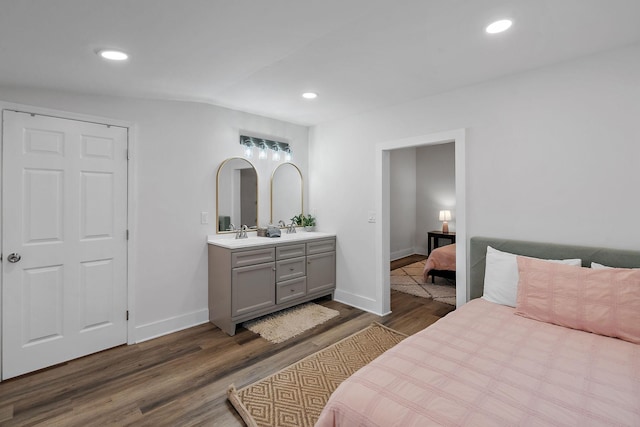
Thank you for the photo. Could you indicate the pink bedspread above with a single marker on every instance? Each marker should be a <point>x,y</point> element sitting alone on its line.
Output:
<point>442,258</point>
<point>484,366</point>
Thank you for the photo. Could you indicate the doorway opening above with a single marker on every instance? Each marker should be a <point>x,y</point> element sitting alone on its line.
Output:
<point>383,191</point>
<point>422,184</point>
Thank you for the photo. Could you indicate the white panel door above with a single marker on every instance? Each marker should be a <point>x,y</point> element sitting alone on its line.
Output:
<point>64,221</point>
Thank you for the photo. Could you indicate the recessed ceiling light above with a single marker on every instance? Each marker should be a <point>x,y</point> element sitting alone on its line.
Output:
<point>499,26</point>
<point>113,55</point>
<point>310,95</point>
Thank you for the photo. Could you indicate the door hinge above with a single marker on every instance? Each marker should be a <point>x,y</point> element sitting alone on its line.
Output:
<point>127,154</point>
<point>127,234</point>
<point>127,314</point>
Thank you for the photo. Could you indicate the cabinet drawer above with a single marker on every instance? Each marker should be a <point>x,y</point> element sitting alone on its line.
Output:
<point>290,269</point>
<point>290,251</point>
<point>256,256</point>
<point>291,289</point>
<point>319,246</point>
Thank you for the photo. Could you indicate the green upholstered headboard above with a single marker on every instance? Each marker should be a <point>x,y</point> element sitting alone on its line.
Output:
<point>478,251</point>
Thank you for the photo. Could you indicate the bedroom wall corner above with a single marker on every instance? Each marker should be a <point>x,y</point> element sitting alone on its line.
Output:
<point>436,189</point>
<point>402,202</point>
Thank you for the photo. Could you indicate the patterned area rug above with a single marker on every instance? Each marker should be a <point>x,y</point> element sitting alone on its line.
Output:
<point>279,327</point>
<point>296,395</point>
<point>409,280</point>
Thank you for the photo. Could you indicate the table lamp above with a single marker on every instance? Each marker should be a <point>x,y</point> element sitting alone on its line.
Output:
<point>444,217</point>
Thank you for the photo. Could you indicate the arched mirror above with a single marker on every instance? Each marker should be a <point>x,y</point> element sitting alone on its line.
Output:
<point>236,194</point>
<point>286,193</point>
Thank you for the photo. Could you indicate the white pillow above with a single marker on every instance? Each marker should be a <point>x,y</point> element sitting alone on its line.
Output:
<point>501,276</point>
<point>597,266</point>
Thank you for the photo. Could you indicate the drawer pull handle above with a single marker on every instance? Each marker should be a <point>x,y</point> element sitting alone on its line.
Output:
<point>291,269</point>
<point>273,268</point>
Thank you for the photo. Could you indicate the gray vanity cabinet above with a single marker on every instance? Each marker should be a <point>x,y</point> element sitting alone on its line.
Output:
<point>245,283</point>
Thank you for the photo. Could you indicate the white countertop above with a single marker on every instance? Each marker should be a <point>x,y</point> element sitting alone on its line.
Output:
<point>230,242</point>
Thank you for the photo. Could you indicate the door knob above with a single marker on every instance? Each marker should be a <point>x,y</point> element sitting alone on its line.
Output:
<point>14,257</point>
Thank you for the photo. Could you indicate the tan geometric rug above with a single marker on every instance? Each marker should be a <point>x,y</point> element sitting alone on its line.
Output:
<point>296,395</point>
<point>409,280</point>
<point>282,325</point>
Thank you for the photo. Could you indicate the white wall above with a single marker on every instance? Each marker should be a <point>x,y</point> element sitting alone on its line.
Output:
<point>435,190</point>
<point>179,147</point>
<point>550,155</point>
<point>402,194</point>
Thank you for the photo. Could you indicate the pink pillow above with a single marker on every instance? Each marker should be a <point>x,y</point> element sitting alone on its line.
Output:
<point>605,302</point>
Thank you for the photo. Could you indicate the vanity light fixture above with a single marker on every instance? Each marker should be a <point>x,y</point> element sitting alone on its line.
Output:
<point>262,154</point>
<point>278,148</point>
<point>499,26</point>
<point>248,151</point>
<point>113,55</point>
<point>309,95</point>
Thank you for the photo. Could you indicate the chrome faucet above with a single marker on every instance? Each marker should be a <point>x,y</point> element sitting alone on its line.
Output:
<point>291,228</point>
<point>282,224</point>
<point>241,232</point>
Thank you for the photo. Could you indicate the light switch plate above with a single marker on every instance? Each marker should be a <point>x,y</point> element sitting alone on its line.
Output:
<point>204,217</point>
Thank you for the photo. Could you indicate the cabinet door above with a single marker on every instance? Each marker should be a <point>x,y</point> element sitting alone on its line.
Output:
<point>252,288</point>
<point>321,272</point>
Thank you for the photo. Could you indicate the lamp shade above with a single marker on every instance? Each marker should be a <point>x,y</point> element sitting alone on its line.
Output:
<point>445,215</point>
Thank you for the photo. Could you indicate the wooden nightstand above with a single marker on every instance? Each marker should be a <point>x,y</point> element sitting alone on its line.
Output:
<point>433,240</point>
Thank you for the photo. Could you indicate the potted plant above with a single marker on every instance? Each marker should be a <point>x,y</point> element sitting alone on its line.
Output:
<point>308,221</point>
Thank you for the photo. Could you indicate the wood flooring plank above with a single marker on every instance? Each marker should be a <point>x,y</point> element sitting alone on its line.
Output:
<point>181,379</point>
<point>402,262</point>
<point>6,412</point>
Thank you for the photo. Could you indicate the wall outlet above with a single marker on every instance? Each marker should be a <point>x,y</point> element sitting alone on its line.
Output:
<point>204,217</point>
<point>371,216</point>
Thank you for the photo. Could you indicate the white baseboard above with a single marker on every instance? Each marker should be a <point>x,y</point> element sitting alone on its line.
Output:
<point>401,253</point>
<point>358,301</point>
<point>170,325</point>
<point>419,250</point>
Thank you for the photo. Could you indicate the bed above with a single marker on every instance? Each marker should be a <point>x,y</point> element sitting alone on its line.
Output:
<point>484,365</point>
<point>441,262</point>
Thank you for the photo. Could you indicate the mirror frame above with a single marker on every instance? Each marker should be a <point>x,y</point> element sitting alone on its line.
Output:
<point>301,189</point>
<point>218,231</point>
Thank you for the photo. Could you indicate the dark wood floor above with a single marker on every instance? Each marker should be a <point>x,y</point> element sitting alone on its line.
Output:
<point>402,262</point>
<point>181,379</point>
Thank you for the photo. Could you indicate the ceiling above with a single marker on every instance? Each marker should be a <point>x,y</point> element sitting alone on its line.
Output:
<point>260,55</point>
